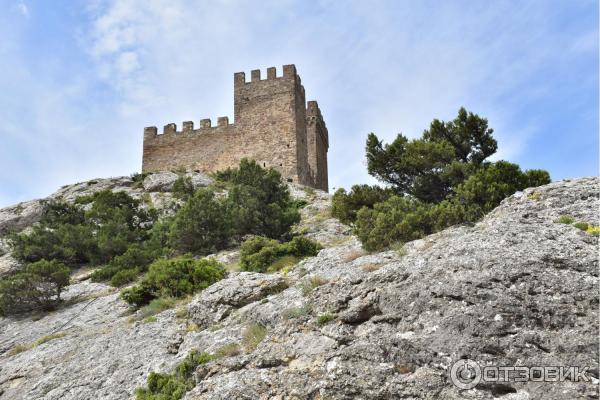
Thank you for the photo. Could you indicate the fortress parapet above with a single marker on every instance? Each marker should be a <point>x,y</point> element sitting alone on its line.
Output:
<point>272,124</point>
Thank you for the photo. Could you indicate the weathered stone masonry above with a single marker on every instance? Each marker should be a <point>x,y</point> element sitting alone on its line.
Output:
<point>273,125</point>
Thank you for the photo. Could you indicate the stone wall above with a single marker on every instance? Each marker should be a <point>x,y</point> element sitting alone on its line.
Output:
<point>270,126</point>
<point>318,144</point>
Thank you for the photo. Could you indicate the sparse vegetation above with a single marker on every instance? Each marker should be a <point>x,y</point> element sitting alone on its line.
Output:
<point>156,306</point>
<point>353,255</point>
<point>535,196</point>
<point>252,336</point>
<point>228,350</point>
<point>173,386</point>
<point>593,230</point>
<point>297,312</point>
<point>310,191</point>
<point>326,318</point>
<point>310,284</point>
<point>399,248</point>
<point>20,348</point>
<point>370,267</point>
<point>581,226</point>
<point>215,327</point>
<point>139,177</point>
<point>565,219</point>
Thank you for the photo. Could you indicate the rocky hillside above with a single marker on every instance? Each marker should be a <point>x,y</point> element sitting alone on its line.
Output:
<point>517,288</point>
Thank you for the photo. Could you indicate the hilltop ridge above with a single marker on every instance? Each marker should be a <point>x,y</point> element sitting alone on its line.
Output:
<point>517,287</point>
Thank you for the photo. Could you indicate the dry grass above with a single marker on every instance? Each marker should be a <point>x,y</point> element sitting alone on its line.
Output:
<point>228,350</point>
<point>253,335</point>
<point>297,312</point>
<point>408,368</point>
<point>215,327</point>
<point>192,327</point>
<point>353,255</point>
<point>536,196</point>
<point>24,347</point>
<point>311,284</point>
<point>370,267</point>
<point>401,250</point>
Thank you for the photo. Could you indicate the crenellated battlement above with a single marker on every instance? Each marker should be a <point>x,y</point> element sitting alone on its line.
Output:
<point>288,72</point>
<point>273,125</point>
<point>205,126</point>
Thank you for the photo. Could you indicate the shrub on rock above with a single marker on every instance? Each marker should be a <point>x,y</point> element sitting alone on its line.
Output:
<point>176,277</point>
<point>258,254</point>
<point>37,287</point>
<point>203,225</point>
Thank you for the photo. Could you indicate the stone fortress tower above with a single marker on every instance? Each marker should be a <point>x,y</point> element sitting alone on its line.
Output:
<point>273,125</point>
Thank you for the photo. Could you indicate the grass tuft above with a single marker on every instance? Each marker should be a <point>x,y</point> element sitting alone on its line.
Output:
<point>228,350</point>
<point>593,230</point>
<point>535,196</point>
<point>20,348</point>
<point>565,219</point>
<point>283,263</point>
<point>252,336</point>
<point>311,284</point>
<point>326,318</point>
<point>370,267</point>
<point>156,306</point>
<point>297,312</point>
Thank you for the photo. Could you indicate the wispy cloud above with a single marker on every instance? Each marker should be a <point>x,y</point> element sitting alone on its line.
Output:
<point>23,8</point>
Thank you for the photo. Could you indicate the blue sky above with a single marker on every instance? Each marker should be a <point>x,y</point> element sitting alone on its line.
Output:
<point>80,79</point>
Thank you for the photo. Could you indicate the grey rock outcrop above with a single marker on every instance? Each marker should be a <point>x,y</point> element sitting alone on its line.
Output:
<point>517,288</point>
<point>164,181</point>
<point>215,303</point>
<point>19,216</point>
<point>160,181</point>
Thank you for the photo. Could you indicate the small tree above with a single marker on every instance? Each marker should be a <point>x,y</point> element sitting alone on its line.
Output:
<point>203,225</point>
<point>183,187</point>
<point>345,205</point>
<point>259,201</point>
<point>38,286</point>
<point>484,190</point>
<point>430,167</point>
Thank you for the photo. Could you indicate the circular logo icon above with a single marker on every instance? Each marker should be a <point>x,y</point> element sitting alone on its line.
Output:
<point>465,374</point>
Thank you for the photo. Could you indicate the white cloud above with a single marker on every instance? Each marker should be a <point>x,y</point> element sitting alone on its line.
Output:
<point>23,9</point>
